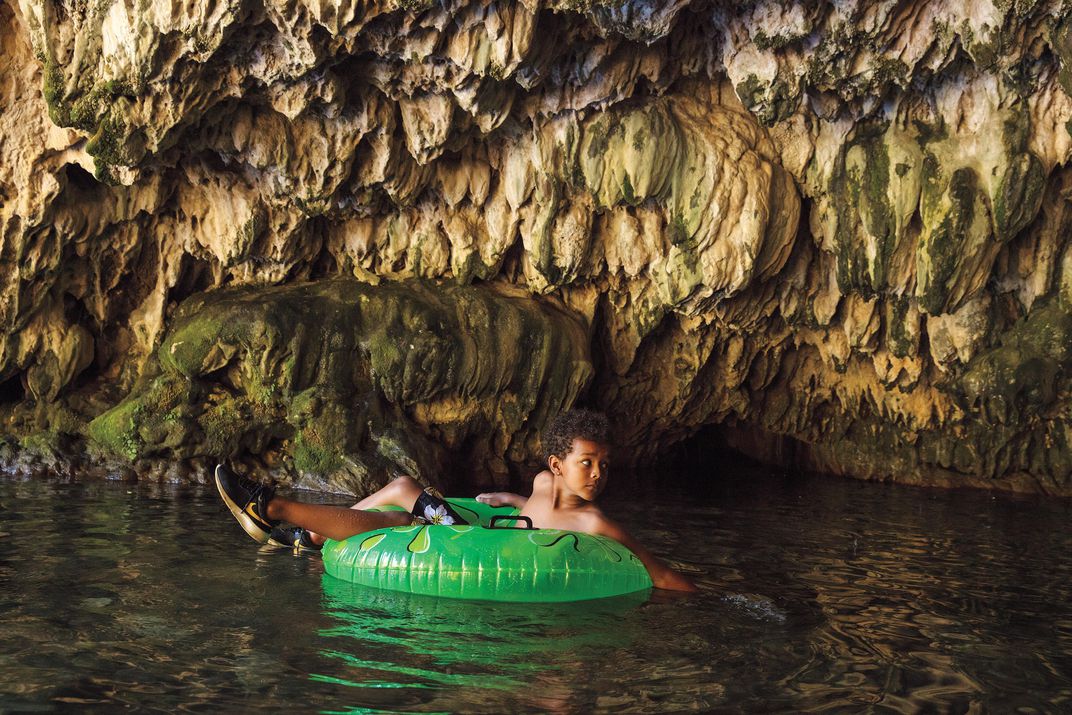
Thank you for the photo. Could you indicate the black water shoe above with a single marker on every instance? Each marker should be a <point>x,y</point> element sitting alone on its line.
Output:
<point>248,501</point>
<point>292,537</point>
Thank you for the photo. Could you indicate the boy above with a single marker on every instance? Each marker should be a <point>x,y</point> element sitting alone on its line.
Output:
<point>577,451</point>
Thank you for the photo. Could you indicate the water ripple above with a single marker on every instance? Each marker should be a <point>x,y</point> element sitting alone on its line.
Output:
<point>817,595</point>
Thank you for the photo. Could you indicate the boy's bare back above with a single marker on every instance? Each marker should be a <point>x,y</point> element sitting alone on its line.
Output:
<point>563,498</point>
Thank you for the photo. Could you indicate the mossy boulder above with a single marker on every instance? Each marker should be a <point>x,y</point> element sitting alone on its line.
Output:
<point>353,382</point>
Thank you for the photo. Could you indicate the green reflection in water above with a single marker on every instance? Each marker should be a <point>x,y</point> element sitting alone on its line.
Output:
<point>394,640</point>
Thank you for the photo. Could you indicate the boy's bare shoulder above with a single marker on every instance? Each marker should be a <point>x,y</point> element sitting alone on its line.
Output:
<point>543,480</point>
<point>596,522</point>
<point>592,520</point>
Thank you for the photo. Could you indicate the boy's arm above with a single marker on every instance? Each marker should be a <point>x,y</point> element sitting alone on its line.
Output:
<point>541,482</point>
<point>502,499</point>
<point>662,576</point>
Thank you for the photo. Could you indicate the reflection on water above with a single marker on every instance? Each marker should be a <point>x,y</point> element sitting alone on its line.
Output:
<point>460,649</point>
<point>817,595</point>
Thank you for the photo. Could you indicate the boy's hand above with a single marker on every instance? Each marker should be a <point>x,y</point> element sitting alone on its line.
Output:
<point>497,498</point>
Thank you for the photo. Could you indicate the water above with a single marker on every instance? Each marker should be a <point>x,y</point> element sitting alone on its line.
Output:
<point>818,595</point>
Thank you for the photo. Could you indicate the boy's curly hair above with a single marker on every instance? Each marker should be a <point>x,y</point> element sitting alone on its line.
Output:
<point>575,424</point>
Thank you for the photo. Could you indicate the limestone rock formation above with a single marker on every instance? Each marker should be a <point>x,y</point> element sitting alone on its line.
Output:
<point>833,234</point>
<point>353,381</point>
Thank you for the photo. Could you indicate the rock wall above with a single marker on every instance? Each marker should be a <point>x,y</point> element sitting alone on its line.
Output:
<point>344,380</point>
<point>839,232</point>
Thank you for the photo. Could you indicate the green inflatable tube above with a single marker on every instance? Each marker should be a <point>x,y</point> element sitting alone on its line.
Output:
<point>487,564</point>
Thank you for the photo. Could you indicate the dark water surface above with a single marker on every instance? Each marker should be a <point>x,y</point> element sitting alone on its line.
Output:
<point>818,595</point>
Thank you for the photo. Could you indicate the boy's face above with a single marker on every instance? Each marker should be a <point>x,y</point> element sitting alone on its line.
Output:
<point>585,468</point>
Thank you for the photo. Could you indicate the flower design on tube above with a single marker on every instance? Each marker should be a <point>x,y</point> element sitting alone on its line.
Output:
<point>437,515</point>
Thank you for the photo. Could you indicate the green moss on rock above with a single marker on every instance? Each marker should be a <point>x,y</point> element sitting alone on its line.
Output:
<point>948,216</point>
<point>122,429</point>
<point>89,110</point>
<point>858,189</point>
<point>106,144</point>
<point>1019,196</point>
<point>900,340</point>
<point>1025,373</point>
<point>770,102</point>
<point>1061,42</point>
<point>326,367</point>
<point>873,189</point>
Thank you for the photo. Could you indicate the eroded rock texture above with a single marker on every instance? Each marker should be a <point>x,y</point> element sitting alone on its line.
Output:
<point>837,232</point>
<point>351,380</point>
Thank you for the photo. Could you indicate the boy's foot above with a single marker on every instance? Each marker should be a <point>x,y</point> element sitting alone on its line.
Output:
<point>293,537</point>
<point>248,501</point>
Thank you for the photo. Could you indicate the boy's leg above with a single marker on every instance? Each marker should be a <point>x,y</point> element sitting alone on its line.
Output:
<point>403,492</point>
<point>258,510</point>
<point>407,493</point>
<point>333,522</point>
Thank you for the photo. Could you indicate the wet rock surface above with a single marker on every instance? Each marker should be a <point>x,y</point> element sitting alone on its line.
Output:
<point>838,233</point>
